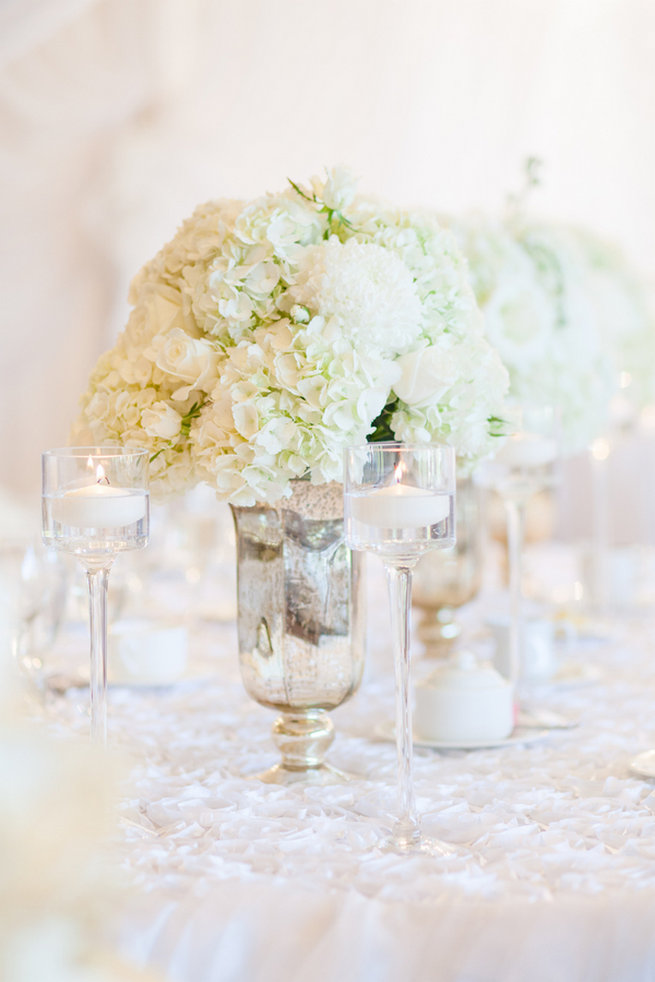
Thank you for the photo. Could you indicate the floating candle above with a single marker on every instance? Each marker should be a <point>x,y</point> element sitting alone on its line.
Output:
<point>400,506</point>
<point>99,506</point>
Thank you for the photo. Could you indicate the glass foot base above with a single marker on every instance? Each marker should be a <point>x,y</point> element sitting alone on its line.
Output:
<point>425,846</point>
<point>411,842</point>
<point>323,774</point>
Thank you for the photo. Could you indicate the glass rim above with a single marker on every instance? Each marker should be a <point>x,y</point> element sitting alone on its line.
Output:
<point>399,445</point>
<point>95,451</point>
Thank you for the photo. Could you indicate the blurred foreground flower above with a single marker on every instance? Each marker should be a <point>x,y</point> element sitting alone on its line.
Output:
<point>57,893</point>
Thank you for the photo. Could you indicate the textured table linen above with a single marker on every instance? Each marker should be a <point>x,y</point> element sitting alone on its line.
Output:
<point>553,874</point>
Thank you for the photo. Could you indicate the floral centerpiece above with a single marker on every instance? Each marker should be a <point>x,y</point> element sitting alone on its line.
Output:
<point>542,315</point>
<point>622,308</point>
<point>268,335</point>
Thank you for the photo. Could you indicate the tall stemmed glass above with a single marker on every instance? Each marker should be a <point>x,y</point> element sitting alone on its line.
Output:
<point>399,502</point>
<point>96,504</point>
<point>525,465</point>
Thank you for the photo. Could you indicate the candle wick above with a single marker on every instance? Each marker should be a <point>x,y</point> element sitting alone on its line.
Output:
<point>103,480</point>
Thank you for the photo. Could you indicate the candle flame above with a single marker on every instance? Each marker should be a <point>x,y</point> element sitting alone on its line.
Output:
<point>600,449</point>
<point>399,472</point>
<point>101,477</point>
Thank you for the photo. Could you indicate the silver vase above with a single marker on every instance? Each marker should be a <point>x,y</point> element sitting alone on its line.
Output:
<point>300,617</point>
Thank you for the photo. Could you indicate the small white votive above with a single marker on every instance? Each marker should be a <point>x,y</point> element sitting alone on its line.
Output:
<point>464,701</point>
<point>141,651</point>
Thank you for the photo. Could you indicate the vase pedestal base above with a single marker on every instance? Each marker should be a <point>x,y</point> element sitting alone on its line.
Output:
<point>317,776</point>
<point>303,739</point>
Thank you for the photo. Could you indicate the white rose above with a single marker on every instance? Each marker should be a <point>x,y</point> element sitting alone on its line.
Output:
<point>426,374</point>
<point>338,190</point>
<point>193,360</point>
<point>161,421</point>
<point>519,322</point>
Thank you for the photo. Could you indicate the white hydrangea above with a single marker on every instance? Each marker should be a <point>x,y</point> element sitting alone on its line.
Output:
<point>540,315</point>
<point>268,336</point>
<point>622,308</point>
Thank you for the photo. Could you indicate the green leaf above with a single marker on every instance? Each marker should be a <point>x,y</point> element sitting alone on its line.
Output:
<point>299,191</point>
<point>382,425</point>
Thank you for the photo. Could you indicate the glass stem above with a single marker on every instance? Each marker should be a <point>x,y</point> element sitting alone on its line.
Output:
<point>98,580</point>
<point>601,539</point>
<point>406,832</point>
<point>515,510</point>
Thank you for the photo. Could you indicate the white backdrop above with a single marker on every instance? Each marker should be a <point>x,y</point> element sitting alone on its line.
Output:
<point>118,116</point>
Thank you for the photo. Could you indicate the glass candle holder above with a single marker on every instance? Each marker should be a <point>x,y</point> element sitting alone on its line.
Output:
<point>399,502</point>
<point>445,581</point>
<point>526,465</point>
<point>95,504</point>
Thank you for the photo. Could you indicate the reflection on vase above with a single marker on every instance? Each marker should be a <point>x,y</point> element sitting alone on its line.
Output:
<point>444,581</point>
<point>300,617</point>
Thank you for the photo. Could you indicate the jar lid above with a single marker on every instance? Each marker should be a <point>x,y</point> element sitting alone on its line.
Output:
<point>464,671</point>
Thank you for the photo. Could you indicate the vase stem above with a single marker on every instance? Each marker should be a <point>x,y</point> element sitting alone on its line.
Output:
<point>303,739</point>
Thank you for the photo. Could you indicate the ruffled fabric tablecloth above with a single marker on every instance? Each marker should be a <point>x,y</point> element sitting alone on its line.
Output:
<point>553,874</point>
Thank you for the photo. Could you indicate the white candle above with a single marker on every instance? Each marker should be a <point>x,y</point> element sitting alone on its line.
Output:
<point>99,506</point>
<point>400,506</point>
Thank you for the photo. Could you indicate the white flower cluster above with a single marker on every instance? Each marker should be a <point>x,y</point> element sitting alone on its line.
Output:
<point>622,307</point>
<point>267,336</point>
<point>540,314</point>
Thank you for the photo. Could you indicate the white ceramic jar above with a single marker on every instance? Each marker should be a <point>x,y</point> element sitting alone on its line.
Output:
<point>464,701</point>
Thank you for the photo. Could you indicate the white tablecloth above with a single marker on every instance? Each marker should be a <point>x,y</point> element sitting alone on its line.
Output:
<point>553,875</point>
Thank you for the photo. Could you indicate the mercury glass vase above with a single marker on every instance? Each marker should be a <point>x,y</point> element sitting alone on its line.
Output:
<point>300,618</point>
<point>445,581</point>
